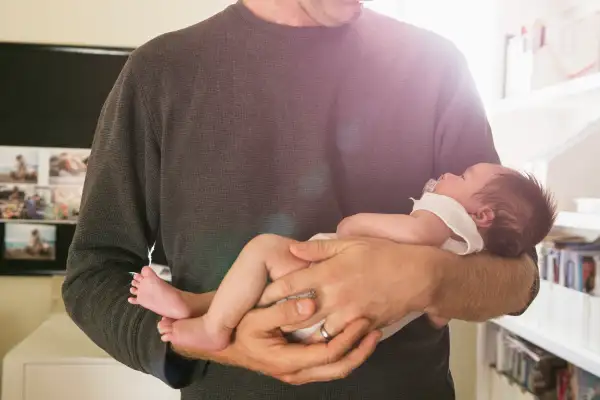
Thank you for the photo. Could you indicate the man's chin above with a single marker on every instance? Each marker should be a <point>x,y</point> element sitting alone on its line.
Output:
<point>350,17</point>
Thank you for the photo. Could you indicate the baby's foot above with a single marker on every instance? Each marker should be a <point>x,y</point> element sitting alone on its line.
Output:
<point>194,334</point>
<point>156,295</point>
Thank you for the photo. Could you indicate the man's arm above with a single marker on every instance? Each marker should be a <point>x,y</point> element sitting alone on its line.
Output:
<point>415,279</point>
<point>117,224</point>
<point>463,138</point>
<point>480,286</point>
<point>422,227</point>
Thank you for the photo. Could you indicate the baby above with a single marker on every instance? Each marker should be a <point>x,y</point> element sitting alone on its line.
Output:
<point>488,207</point>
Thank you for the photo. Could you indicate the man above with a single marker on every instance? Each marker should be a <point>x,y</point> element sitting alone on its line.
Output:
<point>284,117</point>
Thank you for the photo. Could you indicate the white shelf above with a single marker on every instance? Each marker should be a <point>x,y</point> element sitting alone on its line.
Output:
<point>575,220</point>
<point>564,94</point>
<point>562,347</point>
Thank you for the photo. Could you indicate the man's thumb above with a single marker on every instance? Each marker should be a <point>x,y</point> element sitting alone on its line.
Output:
<point>315,250</point>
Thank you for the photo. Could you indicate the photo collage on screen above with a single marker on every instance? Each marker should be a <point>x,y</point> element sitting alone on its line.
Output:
<point>39,188</point>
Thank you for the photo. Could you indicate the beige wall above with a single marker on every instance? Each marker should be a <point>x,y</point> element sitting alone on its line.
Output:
<point>463,358</point>
<point>100,22</point>
<point>25,302</point>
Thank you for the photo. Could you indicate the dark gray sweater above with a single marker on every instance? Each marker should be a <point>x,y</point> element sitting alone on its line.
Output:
<point>236,126</point>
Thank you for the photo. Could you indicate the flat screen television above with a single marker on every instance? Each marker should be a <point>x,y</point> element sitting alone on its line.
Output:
<point>50,100</point>
<point>51,96</point>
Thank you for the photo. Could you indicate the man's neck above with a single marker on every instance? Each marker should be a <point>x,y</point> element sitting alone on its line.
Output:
<point>282,12</point>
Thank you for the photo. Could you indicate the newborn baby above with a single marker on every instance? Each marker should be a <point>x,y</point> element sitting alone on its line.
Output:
<point>488,207</point>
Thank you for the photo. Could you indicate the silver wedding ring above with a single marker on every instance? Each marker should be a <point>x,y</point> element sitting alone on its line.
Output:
<point>326,335</point>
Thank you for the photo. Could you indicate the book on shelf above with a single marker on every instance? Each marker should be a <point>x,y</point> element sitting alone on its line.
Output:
<point>572,263</point>
<point>541,373</point>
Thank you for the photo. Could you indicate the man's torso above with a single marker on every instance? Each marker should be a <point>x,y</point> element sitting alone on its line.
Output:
<point>265,131</point>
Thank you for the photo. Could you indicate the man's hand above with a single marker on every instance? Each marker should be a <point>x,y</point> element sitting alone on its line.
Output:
<point>260,346</point>
<point>359,278</point>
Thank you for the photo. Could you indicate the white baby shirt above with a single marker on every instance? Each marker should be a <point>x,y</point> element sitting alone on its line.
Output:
<point>456,218</point>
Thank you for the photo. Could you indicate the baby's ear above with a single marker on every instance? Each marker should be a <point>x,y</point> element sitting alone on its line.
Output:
<point>484,217</point>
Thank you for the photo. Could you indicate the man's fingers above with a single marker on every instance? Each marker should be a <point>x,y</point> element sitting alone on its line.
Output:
<point>286,265</point>
<point>317,250</point>
<point>285,313</point>
<point>334,324</point>
<point>296,283</point>
<point>305,280</point>
<point>307,356</point>
<point>296,357</point>
<point>309,323</point>
<point>339,369</point>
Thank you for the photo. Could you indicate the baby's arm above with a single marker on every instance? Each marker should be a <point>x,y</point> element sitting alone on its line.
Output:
<point>422,227</point>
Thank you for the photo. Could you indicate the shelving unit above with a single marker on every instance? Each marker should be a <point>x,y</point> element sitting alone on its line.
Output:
<point>565,348</point>
<point>574,93</point>
<point>553,120</point>
<point>573,220</point>
<point>505,387</point>
<point>573,346</point>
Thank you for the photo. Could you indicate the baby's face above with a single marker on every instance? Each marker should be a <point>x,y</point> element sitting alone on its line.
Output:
<point>463,188</point>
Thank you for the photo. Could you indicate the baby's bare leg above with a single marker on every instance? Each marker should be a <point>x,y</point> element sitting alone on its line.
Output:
<point>264,256</point>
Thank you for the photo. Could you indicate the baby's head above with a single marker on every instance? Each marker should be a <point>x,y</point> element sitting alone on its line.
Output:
<point>512,211</point>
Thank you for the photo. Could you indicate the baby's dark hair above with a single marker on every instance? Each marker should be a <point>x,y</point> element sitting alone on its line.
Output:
<point>524,213</point>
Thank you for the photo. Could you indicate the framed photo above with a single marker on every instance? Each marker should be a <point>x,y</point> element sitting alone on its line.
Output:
<point>19,165</point>
<point>30,242</point>
<point>40,196</point>
<point>66,201</point>
<point>12,200</point>
<point>68,167</point>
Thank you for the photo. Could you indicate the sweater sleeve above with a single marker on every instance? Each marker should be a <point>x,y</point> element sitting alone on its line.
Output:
<point>463,135</point>
<point>118,222</point>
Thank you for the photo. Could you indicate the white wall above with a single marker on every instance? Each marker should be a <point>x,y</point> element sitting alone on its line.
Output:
<point>570,167</point>
<point>127,23</point>
<point>573,173</point>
